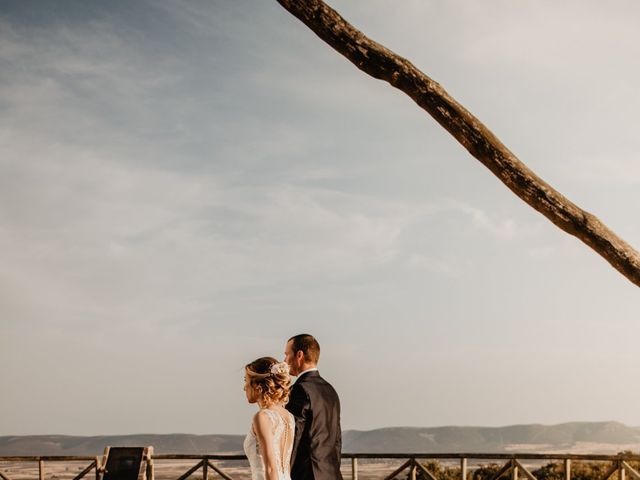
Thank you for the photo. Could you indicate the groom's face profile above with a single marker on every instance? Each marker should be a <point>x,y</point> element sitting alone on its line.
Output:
<point>295,360</point>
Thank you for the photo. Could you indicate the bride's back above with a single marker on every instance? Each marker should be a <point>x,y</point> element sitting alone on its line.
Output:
<point>282,429</point>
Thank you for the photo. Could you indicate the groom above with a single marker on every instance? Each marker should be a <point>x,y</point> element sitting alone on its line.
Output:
<point>316,406</point>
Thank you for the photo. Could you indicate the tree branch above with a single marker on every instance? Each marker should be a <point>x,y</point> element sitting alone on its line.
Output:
<point>383,64</point>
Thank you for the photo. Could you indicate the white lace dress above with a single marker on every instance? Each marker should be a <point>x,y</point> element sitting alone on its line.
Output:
<point>283,431</point>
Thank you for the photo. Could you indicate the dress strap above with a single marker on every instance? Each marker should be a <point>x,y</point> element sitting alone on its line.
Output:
<point>275,417</point>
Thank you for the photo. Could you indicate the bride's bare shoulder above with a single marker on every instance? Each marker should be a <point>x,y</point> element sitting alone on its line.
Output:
<point>262,420</point>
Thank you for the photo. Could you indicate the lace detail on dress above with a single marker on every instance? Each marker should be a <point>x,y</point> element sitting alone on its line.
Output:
<point>283,431</point>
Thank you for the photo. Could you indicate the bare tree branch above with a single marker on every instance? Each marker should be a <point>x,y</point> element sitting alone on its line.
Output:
<point>383,64</point>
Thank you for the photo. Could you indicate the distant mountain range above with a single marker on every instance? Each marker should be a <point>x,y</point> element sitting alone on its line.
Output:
<point>576,437</point>
<point>583,437</point>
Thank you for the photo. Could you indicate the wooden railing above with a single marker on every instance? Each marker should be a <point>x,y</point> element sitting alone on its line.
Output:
<point>513,466</point>
<point>206,463</point>
<point>95,464</point>
<point>212,466</point>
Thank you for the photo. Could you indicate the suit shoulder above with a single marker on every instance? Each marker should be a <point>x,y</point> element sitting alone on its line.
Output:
<point>299,389</point>
<point>318,384</point>
<point>321,381</point>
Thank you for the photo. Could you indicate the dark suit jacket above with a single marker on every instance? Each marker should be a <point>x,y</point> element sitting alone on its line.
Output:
<point>318,440</point>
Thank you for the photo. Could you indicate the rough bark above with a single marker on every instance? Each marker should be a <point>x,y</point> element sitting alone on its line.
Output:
<point>383,64</point>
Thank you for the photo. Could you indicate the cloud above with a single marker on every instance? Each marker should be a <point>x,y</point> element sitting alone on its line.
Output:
<point>178,174</point>
<point>88,229</point>
<point>619,170</point>
<point>434,264</point>
<point>499,226</point>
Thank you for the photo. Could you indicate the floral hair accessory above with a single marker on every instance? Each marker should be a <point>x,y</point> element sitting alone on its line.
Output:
<point>279,368</point>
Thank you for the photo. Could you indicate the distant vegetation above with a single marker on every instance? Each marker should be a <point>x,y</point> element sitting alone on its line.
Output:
<point>580,470</point>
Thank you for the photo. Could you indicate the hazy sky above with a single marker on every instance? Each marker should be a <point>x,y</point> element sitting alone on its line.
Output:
<point>186,184</point>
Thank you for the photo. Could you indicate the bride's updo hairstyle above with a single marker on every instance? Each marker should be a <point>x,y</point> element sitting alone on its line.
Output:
<point>270,380</point>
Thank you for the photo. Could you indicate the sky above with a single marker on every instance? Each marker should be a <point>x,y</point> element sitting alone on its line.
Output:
<point>184,185</point>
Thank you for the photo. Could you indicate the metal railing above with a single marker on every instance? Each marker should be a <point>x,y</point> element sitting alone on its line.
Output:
<point>512,466</point>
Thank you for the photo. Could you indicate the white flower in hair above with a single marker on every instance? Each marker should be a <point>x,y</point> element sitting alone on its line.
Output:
<point>279,368</point>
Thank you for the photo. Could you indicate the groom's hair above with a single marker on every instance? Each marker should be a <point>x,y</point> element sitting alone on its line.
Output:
<point>308,345</point>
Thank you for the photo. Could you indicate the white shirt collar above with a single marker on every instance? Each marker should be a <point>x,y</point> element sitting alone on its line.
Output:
<point>314,369</point>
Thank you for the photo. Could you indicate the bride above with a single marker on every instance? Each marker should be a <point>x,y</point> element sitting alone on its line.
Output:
<point>269,442</point>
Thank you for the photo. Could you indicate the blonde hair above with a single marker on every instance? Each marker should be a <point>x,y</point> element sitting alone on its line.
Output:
<point>270,384</point>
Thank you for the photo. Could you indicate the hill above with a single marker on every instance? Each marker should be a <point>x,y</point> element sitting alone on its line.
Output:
<point>576,437</point>
<point>600,437</point>
<point>72,445</point>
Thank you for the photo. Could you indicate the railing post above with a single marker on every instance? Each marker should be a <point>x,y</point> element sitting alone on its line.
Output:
<point>413,471</point>
<point>567,469</point>
<point>514,471</point>
<point>40,469</point>
<point>150,473</point>
<point>103,463</point>
<point>622,473</point>
<point>463,469</point>
<point>354,468</point>
<point>205,469</point>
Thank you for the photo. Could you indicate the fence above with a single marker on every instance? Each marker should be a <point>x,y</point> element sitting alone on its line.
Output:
<point>213,466</point>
